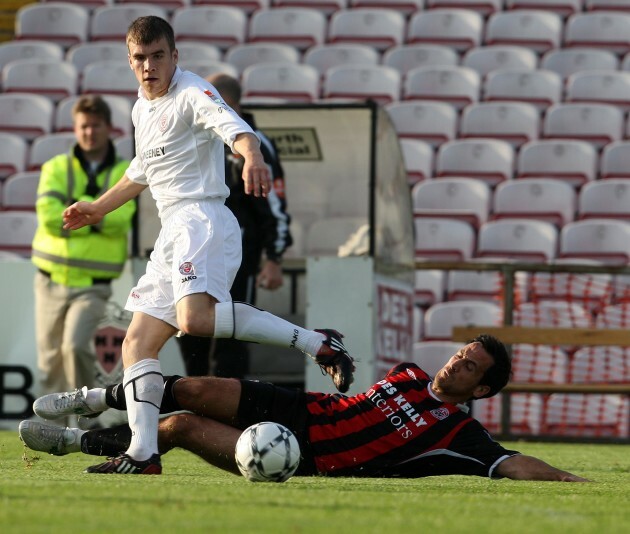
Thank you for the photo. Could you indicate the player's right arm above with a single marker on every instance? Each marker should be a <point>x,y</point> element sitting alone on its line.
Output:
<point>81,214</point>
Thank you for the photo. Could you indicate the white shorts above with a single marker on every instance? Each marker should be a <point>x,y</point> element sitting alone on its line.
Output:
<point>198,251</point>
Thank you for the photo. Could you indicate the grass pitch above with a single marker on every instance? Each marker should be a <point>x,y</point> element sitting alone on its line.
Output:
<point>47,494</point>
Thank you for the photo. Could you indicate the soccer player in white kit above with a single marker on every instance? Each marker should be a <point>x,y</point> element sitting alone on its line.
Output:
<point>181,125</point>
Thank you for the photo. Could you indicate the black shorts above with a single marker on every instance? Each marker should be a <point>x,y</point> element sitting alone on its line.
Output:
<point>262,401</point>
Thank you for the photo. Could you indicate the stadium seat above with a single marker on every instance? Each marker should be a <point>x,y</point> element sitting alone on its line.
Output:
<point>605,198</point>
<point>198,51</point>
<point>110,77</point>
<point>431,356</point>
<point>514,122</point>
<point>524,239</point>
<point>110,23</point>
<point>540,31</point>
<point>485,59</point>
<point>418,158</point>
<point>459,29</point>
<point>491,160</point>
<point>615,160</point>
<point>293,82</point>
<point>600,365</point>
<point>599,29</point>
<point>13,153</point>
<point>19,191</point>
<point>47,146</point>
<point>614,316</point>
<point>552,314</point>
<point>458,86</point>
<point>598,124</point>
<point>12,50</point>
<point>373,82</point>
<point>465,199</point>
<point>325,236</point>
<point>600,87</point>
<point>379,28</point>
<point>443,239</point>
<point>17,229</point>
<point>526,413</point>
<point>120,108</point>
<point>426,120</point>
<point>488,286</point>
<point>208,67</point>
<point>406,7</point>
<point>247,6</point>
<point>25,114</point>
<point>483,7</point>
<point>325,56</point>
<point>54,79</point>
<point>327,7</point>
<point>58,22</point>
<point>564,8</point>
<point>301,28</point>
<point>82,54</point>
<point>607,240</point>
<point>125,148</point>
<point>440,318</point>
<point>581,415</point>
<point>544,199</point>
<point>569,160</point>
<point>568,61</point>
<point>541,88</point>
<point>592,291</point>
<point>429,286</point>
<point>539,363</point>
<point>407,57</point>
<point>221,26</point>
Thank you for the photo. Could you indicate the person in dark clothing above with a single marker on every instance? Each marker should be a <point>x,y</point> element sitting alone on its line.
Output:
<point>265,230</point>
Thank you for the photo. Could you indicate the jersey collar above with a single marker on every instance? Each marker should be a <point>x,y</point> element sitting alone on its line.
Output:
<point>462,407</point>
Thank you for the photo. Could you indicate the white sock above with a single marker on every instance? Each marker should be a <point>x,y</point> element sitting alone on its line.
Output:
<point>95,399</point>
<point>144,387</point>
<point>247,323</point>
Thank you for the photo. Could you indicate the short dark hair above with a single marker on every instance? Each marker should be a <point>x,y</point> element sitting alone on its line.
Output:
<point>93,105</point>
<point>499,374</point>
<point>226,85</point>
<point>147,30</point>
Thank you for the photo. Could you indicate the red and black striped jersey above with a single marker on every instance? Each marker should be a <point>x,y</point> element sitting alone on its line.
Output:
<point>398,427</point>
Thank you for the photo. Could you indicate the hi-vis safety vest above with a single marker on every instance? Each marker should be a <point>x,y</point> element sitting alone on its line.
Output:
<point>75,257</point>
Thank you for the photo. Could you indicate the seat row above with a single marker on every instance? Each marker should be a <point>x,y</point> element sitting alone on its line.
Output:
<point>381,28</point>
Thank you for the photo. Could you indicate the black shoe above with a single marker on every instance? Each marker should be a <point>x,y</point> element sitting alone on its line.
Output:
<point>126,465</point>
<point>334,360</point>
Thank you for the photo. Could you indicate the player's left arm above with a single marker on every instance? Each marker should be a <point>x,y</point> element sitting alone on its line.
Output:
<point>255,170</point>
<point>521,467</point>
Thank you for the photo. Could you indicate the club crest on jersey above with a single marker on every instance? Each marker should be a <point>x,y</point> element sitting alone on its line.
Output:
<point>163,124</point>
<point>188,270</point>
<point>440,413</point>
<point>216,99</point>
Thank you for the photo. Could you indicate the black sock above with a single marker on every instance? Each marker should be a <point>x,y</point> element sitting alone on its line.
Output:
<point>115,396</point>
<point>106,441</point>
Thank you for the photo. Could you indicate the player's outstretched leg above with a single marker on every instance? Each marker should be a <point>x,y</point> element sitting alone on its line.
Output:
<point>49,438</point>
<point>75,402</point>
<point>334,360</point>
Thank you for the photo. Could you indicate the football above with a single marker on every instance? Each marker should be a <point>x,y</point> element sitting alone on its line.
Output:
<point>267,452</point>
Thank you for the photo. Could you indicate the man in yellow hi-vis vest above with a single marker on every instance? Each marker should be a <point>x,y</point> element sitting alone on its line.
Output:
<point>75,269</point>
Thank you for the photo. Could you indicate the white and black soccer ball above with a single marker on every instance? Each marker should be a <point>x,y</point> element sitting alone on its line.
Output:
<point>267,452</point>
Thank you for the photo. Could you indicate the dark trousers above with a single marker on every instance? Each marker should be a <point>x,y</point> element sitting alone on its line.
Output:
<point>228,358</point>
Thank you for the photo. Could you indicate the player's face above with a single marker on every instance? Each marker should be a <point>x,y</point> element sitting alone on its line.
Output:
<point>153,65</point>
<point>461,375</point>
<point>92,133</point>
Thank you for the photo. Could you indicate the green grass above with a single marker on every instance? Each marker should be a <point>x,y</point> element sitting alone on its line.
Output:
<point>49,494</point>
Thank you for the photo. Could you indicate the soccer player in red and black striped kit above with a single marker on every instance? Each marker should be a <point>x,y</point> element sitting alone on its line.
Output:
<point>406,425</point>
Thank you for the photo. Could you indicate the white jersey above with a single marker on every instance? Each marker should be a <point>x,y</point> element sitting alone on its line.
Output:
<point>179,141</point>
